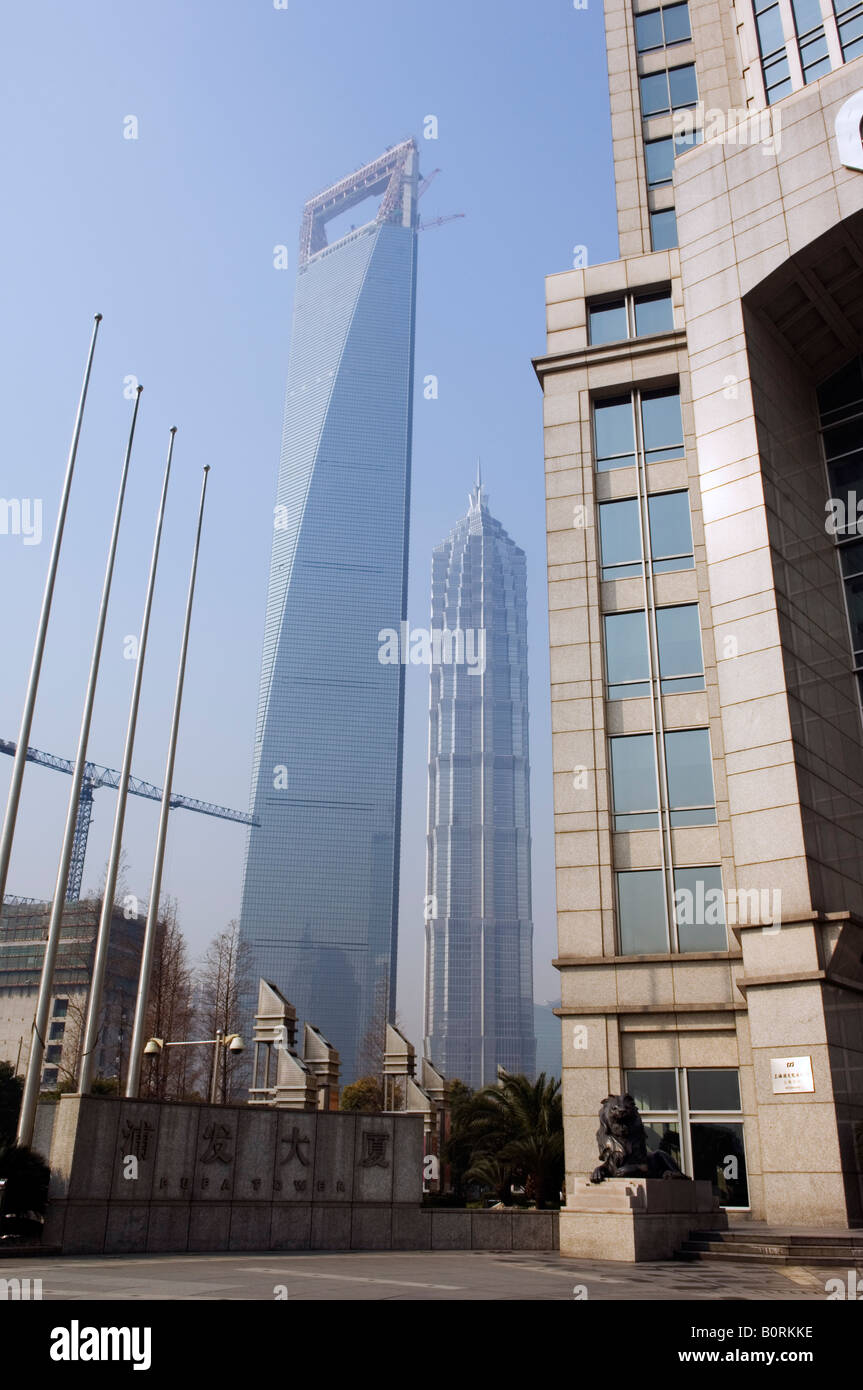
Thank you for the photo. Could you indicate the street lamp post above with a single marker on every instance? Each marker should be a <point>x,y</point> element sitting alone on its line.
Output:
<point>232,1041</point>
<point>214,1079</point>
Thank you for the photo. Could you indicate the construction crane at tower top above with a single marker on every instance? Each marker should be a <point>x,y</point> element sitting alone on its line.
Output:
<point>95,777</point>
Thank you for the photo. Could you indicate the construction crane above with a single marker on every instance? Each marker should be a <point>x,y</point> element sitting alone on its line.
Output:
<point>426,183</point>
<point>95,777</point>
<point>439,221</point>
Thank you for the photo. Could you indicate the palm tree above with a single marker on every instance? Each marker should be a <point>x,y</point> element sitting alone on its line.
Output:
<point>489,1172</point>
<point>519,1124</point>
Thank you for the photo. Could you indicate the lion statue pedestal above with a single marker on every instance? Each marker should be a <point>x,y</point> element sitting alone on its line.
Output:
<point>636,1205</point>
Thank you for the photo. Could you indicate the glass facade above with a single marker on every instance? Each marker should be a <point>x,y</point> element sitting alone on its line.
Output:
<point>670,535</point>
<point>663,229</point>
<point>688,776</point>
<point>320,893</point>
<point>632,316</point>
<point>678,645</point>
<point>696,921</point>
<point>614,423</point>
<point>668,90</point>
<point>659,28</point>
<point>849,23</point>
<point>659,155</point>
<point>479,934</point>
<point>691,1114</point>
<point>840,401</point>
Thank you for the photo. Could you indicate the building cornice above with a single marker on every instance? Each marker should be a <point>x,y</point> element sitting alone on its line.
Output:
<point>626,351</point>
<point>665,958</point>
<point>623,1010</point>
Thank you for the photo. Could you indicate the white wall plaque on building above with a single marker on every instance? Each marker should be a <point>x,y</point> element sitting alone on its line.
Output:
<point>791,1074</point>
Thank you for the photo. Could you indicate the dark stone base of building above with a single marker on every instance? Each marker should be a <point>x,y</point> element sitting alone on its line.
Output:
<point>135,1177</point>
<point>108,1228</point>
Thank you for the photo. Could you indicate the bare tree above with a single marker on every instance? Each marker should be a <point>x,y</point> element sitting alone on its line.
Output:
<point>223,981</point>
<point>121,890</point>
<point>370,1056</point>
<point>173,1074</point>
<point>75,959</point>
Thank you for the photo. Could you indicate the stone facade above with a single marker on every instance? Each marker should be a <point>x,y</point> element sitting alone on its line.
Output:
<point>765,292</point>
<point>130,1176</point>
<point>636,1219</point>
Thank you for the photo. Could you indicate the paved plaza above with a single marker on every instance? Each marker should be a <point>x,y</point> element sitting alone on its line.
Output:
<point>410,1275</point>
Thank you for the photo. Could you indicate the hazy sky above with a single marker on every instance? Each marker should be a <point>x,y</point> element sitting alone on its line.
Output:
<point>243,111</point>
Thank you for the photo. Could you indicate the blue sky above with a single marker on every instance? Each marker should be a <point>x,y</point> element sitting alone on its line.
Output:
<point>244,111</point>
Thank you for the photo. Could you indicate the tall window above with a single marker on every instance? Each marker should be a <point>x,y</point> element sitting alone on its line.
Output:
<point>771,42</point>
<point>695,922</point>
<point>694,1115</point>
<point>630,316</point>
<point>689,777</point>
<point>659,155</point>
<point>663,229</point>
<point>659,28</point>
<point>614,428</point>
<point>849,23</point>
<point>668,90</point>
<point>670,535</point>
<point>678,633</point>
<point>810,39</point>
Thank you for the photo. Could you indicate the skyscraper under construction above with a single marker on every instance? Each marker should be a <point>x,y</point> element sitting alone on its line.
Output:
<point>320,895</point>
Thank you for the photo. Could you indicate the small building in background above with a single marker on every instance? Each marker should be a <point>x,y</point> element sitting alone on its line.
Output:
<point>23,931</point>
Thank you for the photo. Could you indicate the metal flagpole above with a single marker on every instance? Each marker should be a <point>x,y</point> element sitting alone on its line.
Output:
<point>8,833</point>
<point>136,1050</point>
<point>32,1083</point>
<point>100,958</point>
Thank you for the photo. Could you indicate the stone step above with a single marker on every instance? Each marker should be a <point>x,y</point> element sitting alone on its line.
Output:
<point>803,1254</point>
<point>738,1257</point>
<point>730,1257</point>
<point>746,1235</point>
<point>771,1245</point>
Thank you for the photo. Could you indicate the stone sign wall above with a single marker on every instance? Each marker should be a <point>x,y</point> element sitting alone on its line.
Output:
<point>130,1176</point>
<point>148,1175</point>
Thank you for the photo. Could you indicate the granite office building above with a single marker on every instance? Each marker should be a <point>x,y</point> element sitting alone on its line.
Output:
<point>479,934</point>
<point>320,894</point>
<point>703,405</point>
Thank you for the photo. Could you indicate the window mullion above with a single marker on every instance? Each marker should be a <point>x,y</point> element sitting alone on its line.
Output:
<point>656,714</point>
<point>685,1136</point>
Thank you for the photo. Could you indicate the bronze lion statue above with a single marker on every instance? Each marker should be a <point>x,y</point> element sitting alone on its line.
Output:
<point>622,1145</point>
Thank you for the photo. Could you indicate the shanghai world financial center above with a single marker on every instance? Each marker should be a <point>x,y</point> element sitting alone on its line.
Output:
<point>321,887</point>
<point>320,895</point>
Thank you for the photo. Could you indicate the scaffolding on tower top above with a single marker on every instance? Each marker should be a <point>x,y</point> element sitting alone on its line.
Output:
<point>394,175</point>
